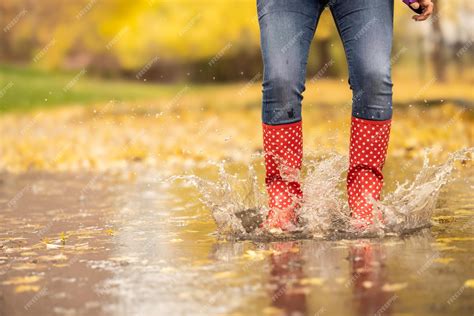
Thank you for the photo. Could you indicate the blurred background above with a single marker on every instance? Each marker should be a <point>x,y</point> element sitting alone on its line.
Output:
<point>207,40</point>
<point>172,60</point>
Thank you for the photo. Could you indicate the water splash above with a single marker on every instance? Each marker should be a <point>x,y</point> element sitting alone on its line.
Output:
<point>238,204</point>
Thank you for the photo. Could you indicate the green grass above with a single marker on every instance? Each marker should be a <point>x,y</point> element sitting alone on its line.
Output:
<point>24,89</point>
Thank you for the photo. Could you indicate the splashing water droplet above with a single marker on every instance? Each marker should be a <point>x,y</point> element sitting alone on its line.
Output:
<point>238,204</point>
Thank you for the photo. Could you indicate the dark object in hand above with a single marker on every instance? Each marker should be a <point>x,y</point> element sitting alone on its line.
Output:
<point>411,3</point>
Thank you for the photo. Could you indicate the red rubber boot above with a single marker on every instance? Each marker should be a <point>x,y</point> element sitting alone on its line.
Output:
<point>367,152</point>
<point>283,151</point>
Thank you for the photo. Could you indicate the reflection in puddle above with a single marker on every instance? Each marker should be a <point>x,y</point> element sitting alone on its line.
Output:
<point>368,277</point>
<point>152,250</point>
<point>286,291</point>
<point>195,273</point>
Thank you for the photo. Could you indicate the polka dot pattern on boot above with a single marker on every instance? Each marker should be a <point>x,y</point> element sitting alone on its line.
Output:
<point>367,152</point>
<point>283,153</point>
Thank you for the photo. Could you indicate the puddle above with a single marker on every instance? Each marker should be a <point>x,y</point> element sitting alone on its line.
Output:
<point>238,203</point>
<point>102,244</point>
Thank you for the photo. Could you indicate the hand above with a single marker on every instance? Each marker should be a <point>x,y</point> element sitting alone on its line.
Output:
<point>427,7</point>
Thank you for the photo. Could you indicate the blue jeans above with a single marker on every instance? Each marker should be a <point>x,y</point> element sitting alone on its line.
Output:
<point>287,28</point>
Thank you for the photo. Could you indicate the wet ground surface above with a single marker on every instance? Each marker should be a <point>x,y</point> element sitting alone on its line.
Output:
<point>104,244</point>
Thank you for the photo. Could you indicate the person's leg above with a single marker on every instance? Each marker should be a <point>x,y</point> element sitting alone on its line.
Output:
<point>366,29</point>
<point>286,30</point>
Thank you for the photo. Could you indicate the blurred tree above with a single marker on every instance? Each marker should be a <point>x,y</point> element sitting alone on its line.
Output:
<point>196,40</point>
<point>438,57</point>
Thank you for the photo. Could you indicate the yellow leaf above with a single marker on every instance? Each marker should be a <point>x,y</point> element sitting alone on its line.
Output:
<point>63,237</point>
<point>393,287</point>
<point>225,275</point>
<point>167,269</point>
<point>311,281</point>
<point>450,239</point>
<point>109,231</point>
<point>22,280</point>
<point>254,255</point>
<point>26,288</point>
<point>444,260</point>
<point>26,266</point>
<point>58,257</point>
<point>270,310</point>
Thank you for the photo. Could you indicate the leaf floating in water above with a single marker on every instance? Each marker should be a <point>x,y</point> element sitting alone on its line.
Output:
<point>28,266</point>
<point>444,219</point>
<point>469,283</point>
<point>311,281</point>
<point>450,239</point>
<point>270,310</point>
<point>168,270</point>
<point>225,275</point>
<point>26,288</point>
<point>109,231</point>
<point>63,237</point>
<point>394,287</point>
<point>53,246</point>
<point>464,212</point>
<point>444,260</point>
<point>22,280</point>
<point>58,257</point>
<point>60,265</point>
<point>254,255</point>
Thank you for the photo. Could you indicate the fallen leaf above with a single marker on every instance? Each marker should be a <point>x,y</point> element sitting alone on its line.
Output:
<point>463,212</point>
<point>340,280</point>
<point>311,281</point>
<point>393,287</point>
<point>22,280</point>
<point>469,283</point>
<point>110,231</point>
<point>27,266</point>
<point>443,219</point>
<point>52,246</point>
<point>26,288</point>
<point>63,237</point>
<point>58,257</point>
<point>225,275</point>
<point>444,260</point>
<point>254,255</point>
<point>450,239</point>
<point>270,310</point>
<point>167,269</point>
<point>60,265</point>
